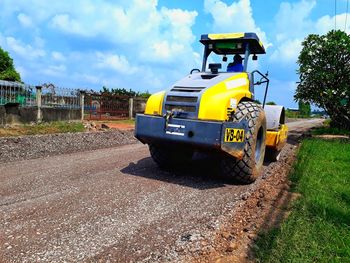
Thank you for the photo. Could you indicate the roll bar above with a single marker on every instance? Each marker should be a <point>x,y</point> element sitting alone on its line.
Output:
<point>263,79</point>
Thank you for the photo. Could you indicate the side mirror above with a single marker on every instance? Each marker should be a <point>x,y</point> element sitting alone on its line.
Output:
<point>255,57</point>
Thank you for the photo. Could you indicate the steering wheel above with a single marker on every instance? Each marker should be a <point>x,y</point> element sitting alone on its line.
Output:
<point>195,69</point>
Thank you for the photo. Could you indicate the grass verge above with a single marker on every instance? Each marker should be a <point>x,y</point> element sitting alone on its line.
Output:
<point>318,227</point>
<point>327,129</point>
<point>42,128</point>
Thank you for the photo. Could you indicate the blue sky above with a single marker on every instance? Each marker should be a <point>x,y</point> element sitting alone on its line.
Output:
<point>149,44</point>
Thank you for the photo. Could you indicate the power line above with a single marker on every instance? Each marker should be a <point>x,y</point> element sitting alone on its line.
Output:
<point>346,14</point>
<point>335,14</point>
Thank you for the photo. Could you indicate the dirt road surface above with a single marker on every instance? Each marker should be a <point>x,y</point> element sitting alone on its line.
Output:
<point>113,205</point>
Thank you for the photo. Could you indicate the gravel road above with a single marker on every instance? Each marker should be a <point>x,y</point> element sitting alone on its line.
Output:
<point>35,146</point>
<point>112,204</point>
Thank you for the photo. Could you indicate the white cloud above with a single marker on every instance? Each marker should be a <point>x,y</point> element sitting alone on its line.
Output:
<point>148,34</point>
<point>58,56</point>
<point>60,67</point>
<point>326,23</point>
<point>287,51</point>
<point>139,23</point>
<point>89,78</point>
<point>22,71</point>
<point>25,20</point>
<point>237,17</point>
<point>109,42</point>
<point>292,19</point>
<point>115,62</point>
<point>293,24</point>
<point>65,23</point>
<point>26,51</point>
<point>54,70</point>
<point>113,40</point>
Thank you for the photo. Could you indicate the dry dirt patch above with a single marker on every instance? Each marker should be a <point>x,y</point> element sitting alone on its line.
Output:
<point>264,207</point>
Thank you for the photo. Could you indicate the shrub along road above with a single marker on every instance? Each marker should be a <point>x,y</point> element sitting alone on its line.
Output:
<point>116,204</point>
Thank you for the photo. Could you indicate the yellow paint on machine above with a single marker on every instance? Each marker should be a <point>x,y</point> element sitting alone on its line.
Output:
<point>277,139</point>
<point>261,43</point>
<point>154,104</point>
<point>225,36</point>
<point>216,99</point>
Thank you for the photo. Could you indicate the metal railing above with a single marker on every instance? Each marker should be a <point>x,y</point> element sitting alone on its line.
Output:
<point>103,106</point>
<point>16,92</point>
<point>56,97</point>
<point>95,105</point>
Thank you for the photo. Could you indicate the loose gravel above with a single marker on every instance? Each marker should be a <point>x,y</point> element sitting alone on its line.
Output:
<point>116,205</point>
<point>36,146</point>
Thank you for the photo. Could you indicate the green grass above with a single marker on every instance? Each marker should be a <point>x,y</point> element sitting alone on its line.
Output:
<point>318,227</point>
<point>42,128</point>
<point>327,129</point>
<point>296,115</point>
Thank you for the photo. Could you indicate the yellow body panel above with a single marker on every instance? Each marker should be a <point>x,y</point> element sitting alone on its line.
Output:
<point>154,104</point>
<point>277,139</point>
<point>225,36</point>
<point>216,100</point>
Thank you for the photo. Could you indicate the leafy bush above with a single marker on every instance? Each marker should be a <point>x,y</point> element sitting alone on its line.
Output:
<point>7,69</point>
<point>125,92</point>
<point>325,75</point>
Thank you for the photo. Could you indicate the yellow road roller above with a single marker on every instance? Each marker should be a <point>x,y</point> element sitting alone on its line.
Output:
<point>213,110</point>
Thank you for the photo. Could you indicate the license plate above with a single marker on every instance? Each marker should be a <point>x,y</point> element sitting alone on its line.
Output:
<point>234,135</point>
<point>175,129</point>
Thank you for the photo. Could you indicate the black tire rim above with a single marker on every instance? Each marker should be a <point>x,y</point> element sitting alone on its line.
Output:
<point>259,142</point>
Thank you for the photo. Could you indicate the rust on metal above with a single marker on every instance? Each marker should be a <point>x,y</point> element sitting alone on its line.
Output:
<point>237,153</point>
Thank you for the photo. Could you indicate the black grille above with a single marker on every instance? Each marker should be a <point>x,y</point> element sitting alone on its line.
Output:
<point>180,108</point>
<point>181,99</point>
<point>187,89</point>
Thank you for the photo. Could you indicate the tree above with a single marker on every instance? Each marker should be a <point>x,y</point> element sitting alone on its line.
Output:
<point>7,69</point>
<point>124,92</point>
<point>324,68</point>
<point>271,103</point>
<point>304,109</point>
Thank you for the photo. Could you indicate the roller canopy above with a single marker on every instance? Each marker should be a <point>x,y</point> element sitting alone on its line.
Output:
<point>233,43</point>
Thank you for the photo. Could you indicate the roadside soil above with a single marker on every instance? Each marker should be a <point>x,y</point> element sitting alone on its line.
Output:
<point>124,125</point>
<point>263,208</point>
<point>115,205</point>
<point>120,126</point>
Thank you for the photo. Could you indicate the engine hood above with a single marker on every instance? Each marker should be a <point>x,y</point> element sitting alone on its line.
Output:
<point>184,97</point>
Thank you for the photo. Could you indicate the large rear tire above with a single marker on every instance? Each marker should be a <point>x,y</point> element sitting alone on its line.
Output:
<point>249,167</point>
<point>169,156</point>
